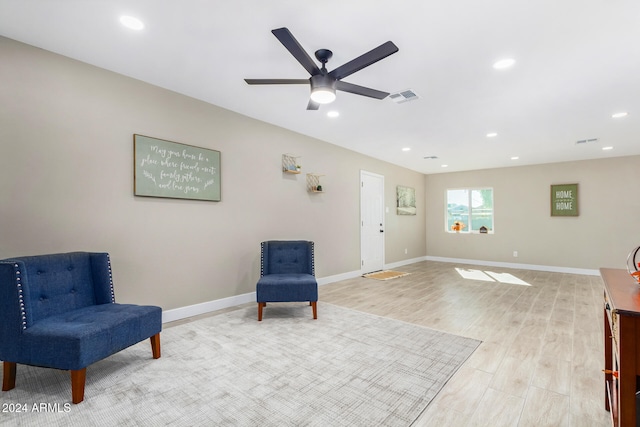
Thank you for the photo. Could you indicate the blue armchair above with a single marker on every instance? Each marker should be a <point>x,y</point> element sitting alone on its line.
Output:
<point>59,311</point>
<point>287,274</point>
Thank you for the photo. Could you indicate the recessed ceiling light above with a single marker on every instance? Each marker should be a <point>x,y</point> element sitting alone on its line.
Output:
<point>514,157</point>
<point>444,166</point>
<point>406,149</point>
<point>131,22</point>
<point>333,114</point>
<point>504,63</point>
<point>620,114</point>
<point>607,148</point>
<point>492,135</point>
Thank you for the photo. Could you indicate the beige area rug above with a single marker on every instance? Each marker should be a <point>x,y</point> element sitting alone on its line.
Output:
<point>347,368</point>
<point>385,275</point>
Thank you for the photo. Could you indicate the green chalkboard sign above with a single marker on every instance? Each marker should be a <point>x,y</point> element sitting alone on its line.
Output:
<point>564,200</point>
<point>173,170</point>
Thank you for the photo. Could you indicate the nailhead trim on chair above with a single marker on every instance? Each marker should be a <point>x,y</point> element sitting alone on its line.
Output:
<point>262,259</point>
<point>113,295</point>
<point>23,312</point>
<point>313,257</point>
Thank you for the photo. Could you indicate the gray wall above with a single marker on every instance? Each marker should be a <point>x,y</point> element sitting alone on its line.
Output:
<point>606,230</point>
<point>66,184</point>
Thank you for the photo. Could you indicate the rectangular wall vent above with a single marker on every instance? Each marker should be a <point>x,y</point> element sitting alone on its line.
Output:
<point>587,141</point>
<point>404,96</point>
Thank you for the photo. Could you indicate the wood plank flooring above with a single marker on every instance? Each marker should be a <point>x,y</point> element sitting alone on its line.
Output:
<point>541,359</point>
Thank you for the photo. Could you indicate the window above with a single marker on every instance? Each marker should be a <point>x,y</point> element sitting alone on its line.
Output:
<point>470,207</point>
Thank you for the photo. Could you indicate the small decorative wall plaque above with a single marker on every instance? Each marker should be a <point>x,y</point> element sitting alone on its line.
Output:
<point>564,200</point>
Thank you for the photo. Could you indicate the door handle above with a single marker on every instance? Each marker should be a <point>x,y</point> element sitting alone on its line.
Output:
<point>382,231</point>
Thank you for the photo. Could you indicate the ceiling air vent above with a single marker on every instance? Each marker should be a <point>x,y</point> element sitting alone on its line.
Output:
<point>586,141</point>
<point>430,157</point>
<point>404,96</point>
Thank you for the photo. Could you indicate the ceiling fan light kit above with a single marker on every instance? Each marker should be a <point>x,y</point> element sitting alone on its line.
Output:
<point>324,84</point>
<point>323,89</point>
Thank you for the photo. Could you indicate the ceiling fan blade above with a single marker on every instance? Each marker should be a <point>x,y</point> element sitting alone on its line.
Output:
<point>292,45</point>
<point>277,81</point>
<point>360,90</point>
<point>364,60</point>
<point>312,105</point>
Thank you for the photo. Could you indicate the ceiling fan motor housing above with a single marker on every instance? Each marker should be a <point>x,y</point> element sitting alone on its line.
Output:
<point>323,81</point>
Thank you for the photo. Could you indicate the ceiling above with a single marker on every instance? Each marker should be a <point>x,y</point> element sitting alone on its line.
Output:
<point>577,63</point>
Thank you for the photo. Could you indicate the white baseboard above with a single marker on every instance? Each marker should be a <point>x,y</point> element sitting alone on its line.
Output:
<point>209,306</point>
<point>338,277</point>
<point>550,268</point>
<point>206,307</point>
<point>404,262</point>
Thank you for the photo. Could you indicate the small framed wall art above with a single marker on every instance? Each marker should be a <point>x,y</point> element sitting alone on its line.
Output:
<point>406,200</point>
<point>564,200</point>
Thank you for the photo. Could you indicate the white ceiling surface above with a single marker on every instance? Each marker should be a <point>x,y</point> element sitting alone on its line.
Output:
<point>578,62</point>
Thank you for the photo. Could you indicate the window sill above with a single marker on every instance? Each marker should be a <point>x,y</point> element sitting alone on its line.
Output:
<point>468,232</point>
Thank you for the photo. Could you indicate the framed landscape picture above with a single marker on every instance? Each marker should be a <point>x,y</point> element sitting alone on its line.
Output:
<point>406,200</point>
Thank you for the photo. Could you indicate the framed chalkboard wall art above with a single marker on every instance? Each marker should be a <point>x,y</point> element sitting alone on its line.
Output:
<point>173,170</point>
<point>564,200</point>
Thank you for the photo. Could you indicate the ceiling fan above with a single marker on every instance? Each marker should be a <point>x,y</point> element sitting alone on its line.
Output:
<point>323,83</point>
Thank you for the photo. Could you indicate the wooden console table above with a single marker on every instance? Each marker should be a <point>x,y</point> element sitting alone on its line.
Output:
<point>621,344</point>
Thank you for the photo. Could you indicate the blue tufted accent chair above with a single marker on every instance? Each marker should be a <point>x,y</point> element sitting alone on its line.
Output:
<point>59,311</point>
<point>287,273</point>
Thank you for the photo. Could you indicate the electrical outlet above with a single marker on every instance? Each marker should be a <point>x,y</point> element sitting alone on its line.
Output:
<point>405,251</point>
<point>515,254</point>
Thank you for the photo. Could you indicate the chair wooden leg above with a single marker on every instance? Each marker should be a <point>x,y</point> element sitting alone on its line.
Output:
<point>78,378</point>
<point>8,376</point>
<point>314,307</point>
<point>261,305</point>
<point>155,346</point>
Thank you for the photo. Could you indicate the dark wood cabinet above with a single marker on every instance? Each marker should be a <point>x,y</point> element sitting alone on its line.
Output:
<point>621,344</point>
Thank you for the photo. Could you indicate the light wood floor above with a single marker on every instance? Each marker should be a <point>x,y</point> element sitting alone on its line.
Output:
<point>541,359</point>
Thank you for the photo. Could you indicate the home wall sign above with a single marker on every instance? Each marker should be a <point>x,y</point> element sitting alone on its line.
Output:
<point>564,200</point>
<point>173,170</point>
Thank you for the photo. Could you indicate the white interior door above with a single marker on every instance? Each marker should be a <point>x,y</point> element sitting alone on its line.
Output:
<point>371,221</point>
